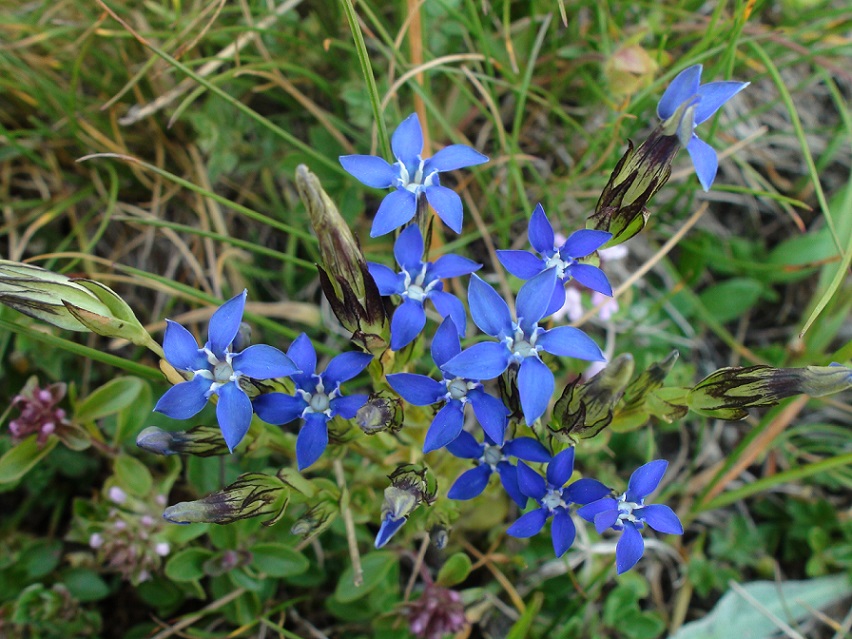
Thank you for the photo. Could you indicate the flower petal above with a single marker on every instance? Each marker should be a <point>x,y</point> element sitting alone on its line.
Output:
<point>408,249</point>
<point>682,88</point>
<point>591,510</point>
<point>407,140</point>
<point>526,448</point>
<point>278,408</point>
<point>645,480</point>
<point>233,412</point>
<point>225,323</point>
<point>470,483</point>
<point>345,407</point>
<point>369,170</point>
<point>540,231</point>
<point>263,362</point>
<point>661,518</point>
<point>417,389</point>
<point>561,467</point>
<point>562,532</point>
<point>583,242</point>
<point>535,386</point>
<point>447,205</point>
<point>606,519</point>
<point>585,491</point>
<point>304,356</point>
<point>485,360</point>
<point>488,309</point>
<point>184,400</point>
<point>387,530</point>
<point>528,525</point>
<point>452,266</point>
<point>704,160</point>
<point>448,305</point>
<point>568,341</point>
<point>312,440</point>
<point>522,264</point>
<point>445,343</point>
<point>446,426</point>
<point>387,281</point>
<point>396,209</point>
<point>452,157</point>
<point>509,479</point>
<point>182,350</point>
<point>407,322</point>
<point>465,446</point>
<point>534,298</point>
<point>629,548</point>
<point>530,482</point>
<point>591,277</point>
<point>557,301</point>
<point>491,414</point>
<point>713,96</point>
<point>344,367</point>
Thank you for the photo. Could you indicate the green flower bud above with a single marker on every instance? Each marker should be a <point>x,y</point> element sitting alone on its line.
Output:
<point>728,392</point>
<point>382,413</point>
<point>252,495</point>
<point>317,518</point>
<point>344,276</point>
<point>201,441</point>
<point>411,485</point>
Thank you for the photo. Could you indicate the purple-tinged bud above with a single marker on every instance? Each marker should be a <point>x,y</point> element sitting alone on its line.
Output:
<point>411,486</point>
<point>383,412</point>
<point>437,613</point>
<point>39,413</point>
<point>200,441</point>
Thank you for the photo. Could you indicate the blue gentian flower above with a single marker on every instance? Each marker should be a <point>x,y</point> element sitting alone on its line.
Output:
<point>493,458</point>
<point>317,399</point>
<point>519,343</point>
<point>417,282</point>
<point>411,176</point>
<point>456,392</point>
<point>217,370</point>
<point>686,104</point>
<point>563,258</point>
<point>554,499</point>
<point>629,514</point>
<point>391,523</point>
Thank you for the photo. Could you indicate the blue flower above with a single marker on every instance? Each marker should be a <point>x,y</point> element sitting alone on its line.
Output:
<point>520,343</point>
<point>493,458</point>
<point>417,282</point>
<point>412,176</point>
<point>686,104</point>
<point>456,392</point>
<point>563,258</point>
<point>317,398</point>
<point>629,514</point>
<point>554,499</point>
<point>217,370</point>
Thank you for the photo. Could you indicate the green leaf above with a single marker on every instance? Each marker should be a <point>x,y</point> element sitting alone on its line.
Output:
<point>18,461</point>
<point>187,564</point>
<point>521,628</point>
<point>730,299</point>
<point>374,566</point>
<point>112,397</point>
<point>278,560</point>
<point>133,475</point>
<point>84,584</point>
<point>455,570</point>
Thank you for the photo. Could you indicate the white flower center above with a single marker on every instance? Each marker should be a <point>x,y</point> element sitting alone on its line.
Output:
<point>414,287</point>
<point>221,372</point>
<point>413,183</point>
<point>457,388</point>
<point>553,499</point>
<point>626,508</point>
<point>522,346</point>
<point>556,261</point>
<point>319,401</point>
<point>492,455</point>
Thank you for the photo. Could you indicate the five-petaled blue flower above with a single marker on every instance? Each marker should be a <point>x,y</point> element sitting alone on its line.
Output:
<point>493,458</point>
<point>525,265</point>
<point>457,392</point>
<point>686,104</point>
<point>519,343</point>
<point>554,499</point>
<point>217,370</point>
<point>629,514</point>
<point>317,398</point>
<point>412,176</point>
<point>417,282</point>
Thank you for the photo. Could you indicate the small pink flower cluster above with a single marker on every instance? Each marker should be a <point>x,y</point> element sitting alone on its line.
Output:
<point>439,611</point>
<point>39,413</point>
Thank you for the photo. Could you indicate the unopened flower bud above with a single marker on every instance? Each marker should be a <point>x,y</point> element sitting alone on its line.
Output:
<point>252,495</point>
<point>411,486</point>
<point>344,276</point>
<point>728,392</point>
<point>382,413</point>
<point>39,413</point>
<point>438,612</point>
<point>201,441</point>
<point>317,518</point>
